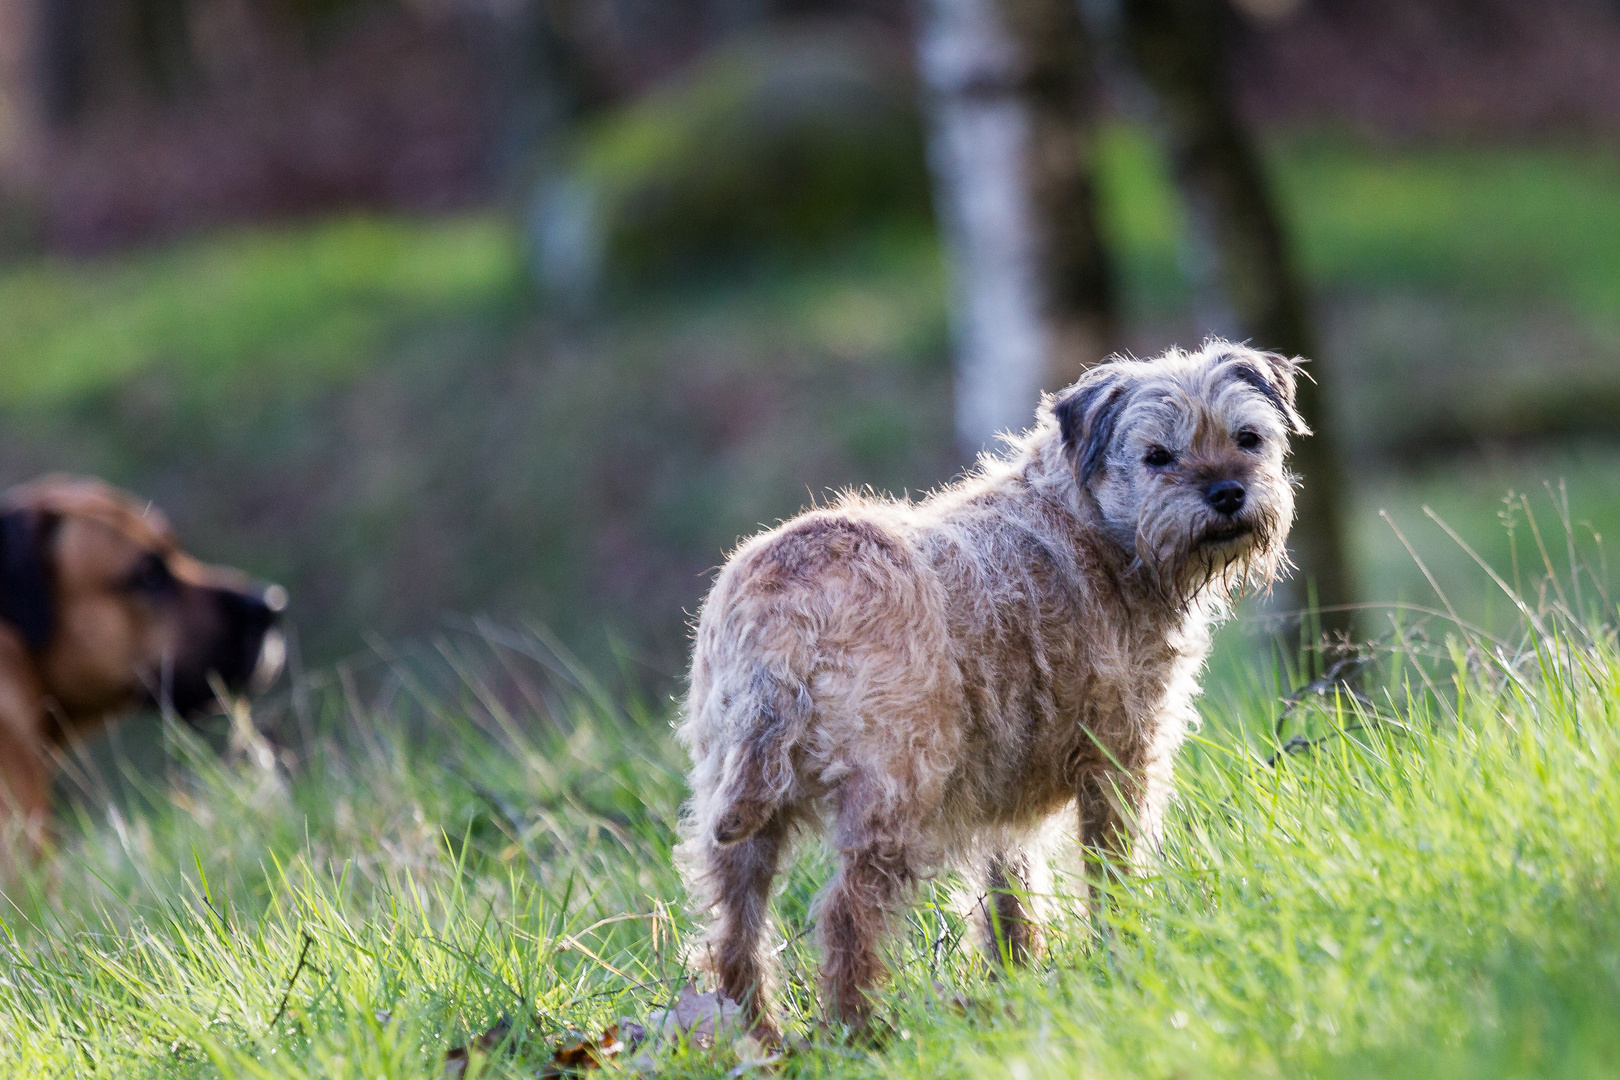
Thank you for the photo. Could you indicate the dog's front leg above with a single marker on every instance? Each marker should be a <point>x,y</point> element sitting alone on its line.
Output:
<point>25,801</point>
<point>1105,835</point>
<point>25,771</point>
<point>1009,927</point>
<point>1122,817</point>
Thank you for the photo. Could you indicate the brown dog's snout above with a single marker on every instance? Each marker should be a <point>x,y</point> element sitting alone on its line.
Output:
<point>247,650</point>
<point>102,611</point>
<point>252,611</point>
<point>250,616</point>
<point>236,646</point>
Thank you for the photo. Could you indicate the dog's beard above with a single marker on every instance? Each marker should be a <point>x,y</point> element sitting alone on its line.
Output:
<point>1186,557</point>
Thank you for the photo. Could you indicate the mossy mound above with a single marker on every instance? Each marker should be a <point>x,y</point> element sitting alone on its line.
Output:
<point>780,144</point>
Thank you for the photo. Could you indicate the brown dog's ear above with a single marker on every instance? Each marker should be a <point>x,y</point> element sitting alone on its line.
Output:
<point>25,587</point>
<point>1086,416</point>
<point>1276,377</point>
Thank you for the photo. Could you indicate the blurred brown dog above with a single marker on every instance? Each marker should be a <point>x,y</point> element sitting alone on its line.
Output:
<point>100,611</point>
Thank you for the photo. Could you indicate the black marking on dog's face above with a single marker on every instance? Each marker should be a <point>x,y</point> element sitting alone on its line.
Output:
<point>1275,384</point>
<point>152,580</point>
<point>25,586</point>
<point>1086,420</point>
<point>226,632</point>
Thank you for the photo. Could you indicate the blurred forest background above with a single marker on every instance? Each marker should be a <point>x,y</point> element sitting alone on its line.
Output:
<point>534,307</point>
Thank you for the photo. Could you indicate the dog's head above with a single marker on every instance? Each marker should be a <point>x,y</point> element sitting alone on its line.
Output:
<point>113,613</point>
<point>1184,457</point>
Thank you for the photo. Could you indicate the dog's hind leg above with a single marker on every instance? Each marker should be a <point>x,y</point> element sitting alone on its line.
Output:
<point>735,948</point>
<point>855,911</point>
<point>759,778</point>
<point>742,813</point>
<point>729,886</point>
<point>853,918</point>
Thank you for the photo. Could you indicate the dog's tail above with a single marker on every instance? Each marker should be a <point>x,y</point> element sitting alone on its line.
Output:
<point>767,719</point>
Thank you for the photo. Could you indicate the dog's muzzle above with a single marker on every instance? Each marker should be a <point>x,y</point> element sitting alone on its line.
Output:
<point>1225,535</point>
<point>246,655</point>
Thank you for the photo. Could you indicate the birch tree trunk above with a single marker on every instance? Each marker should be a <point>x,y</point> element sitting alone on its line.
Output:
<point>1178,47</point>
<point>1010,148</point>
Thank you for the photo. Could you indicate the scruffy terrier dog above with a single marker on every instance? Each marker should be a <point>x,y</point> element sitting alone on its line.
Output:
<point>932,681</point>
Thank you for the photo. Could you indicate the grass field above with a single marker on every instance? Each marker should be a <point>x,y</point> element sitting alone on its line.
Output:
<point>1426,889</point>
<point>292,307</point>
<point>474,829</point>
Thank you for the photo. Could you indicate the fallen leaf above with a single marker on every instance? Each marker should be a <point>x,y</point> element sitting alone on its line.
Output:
<point>455,1061</point>
<point>576,1054</point>
<point>704,1021</point>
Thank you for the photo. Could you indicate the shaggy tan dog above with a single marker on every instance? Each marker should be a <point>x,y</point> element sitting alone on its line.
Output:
<point>933,681</point>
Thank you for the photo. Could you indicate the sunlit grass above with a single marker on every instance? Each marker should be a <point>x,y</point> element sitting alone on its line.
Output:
<point>1411,877</point>
<point>1531,225</point>
<point>434,865</point>
<point>291,304</point>
<point>1479,499</point>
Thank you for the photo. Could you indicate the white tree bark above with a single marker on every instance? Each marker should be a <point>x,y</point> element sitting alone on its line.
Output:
<point>1010,142</point>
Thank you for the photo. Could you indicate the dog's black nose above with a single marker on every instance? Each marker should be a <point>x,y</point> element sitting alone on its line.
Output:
<point>252,613</point>
<point>1226,496</point>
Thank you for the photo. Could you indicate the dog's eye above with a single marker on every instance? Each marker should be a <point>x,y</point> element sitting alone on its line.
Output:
<point>1247,440</point>
<point>152,577</point>
<point>1158,457</point>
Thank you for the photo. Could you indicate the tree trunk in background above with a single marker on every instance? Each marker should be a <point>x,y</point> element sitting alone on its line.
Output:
<point>1010,147</point>
<point>545,76</point>
<point>1178,47</point>
<point>18,113</point>
<point>44,81</point>
<point>162,42</point>
<point>61,60</point>
<point>44,68</point>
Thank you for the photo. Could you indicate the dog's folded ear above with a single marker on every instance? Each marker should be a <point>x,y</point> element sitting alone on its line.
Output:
<point>1086,415</point>
<point>25,587</point>
<point>1277,377</point>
